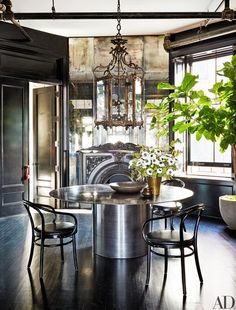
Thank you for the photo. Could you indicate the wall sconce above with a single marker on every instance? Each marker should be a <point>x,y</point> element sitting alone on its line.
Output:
<point>119,87</point>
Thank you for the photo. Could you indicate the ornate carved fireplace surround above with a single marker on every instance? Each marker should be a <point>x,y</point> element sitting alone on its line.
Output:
<point>104,163</point>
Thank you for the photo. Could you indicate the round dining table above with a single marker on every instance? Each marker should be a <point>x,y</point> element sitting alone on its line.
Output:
<point>118,217</point>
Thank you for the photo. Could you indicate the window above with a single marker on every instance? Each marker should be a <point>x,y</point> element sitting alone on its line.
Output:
<point>204,157</point>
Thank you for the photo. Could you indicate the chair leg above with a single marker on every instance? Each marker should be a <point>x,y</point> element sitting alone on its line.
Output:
<point>166,263</point>
<point>62,250</point>
<point>183,271</point>
<point>152,217</point>
<point>31,251</point>
<point>41,259</point>
<point>198,264</point>
<point>74,252</point>
<point>165,223</point>
<point>148,265</point>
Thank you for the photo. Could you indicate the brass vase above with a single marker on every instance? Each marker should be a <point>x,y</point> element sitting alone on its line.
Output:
<point>154,183</point>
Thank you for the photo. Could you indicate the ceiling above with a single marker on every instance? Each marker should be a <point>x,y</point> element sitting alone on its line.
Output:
<point>107,27</point>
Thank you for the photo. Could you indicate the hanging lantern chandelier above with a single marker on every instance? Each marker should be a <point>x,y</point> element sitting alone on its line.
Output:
<point>119,87</point>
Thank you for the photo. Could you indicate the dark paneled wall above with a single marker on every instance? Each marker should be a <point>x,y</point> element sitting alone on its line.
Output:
<point>208,191</point>
<point>43,59</point>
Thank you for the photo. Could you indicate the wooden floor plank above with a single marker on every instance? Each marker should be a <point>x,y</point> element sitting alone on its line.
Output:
<point>108,284</point>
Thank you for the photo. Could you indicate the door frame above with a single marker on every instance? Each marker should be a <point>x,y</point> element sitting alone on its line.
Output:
<point>33,143</point>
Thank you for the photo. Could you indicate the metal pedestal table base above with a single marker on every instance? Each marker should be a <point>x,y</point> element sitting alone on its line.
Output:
<point>117,230</point>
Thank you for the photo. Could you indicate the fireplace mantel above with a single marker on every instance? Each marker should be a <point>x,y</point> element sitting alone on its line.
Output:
<point>105,163</point>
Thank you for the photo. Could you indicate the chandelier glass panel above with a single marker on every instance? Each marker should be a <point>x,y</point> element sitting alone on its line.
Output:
<point>119,87</point>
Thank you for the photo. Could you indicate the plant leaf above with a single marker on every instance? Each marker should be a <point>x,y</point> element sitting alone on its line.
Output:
<point>151,105</point>
<point>188,82</point>
<point>163,85</point>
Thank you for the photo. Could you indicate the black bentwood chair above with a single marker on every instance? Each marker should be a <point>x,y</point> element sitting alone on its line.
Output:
<point>168,207</point>
<point>46,224</point>
<point>174,239</point>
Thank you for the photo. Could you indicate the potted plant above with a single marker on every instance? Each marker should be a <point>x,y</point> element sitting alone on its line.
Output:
<point>227,205</point>
<point>193,110</point>
<point>151,164</point>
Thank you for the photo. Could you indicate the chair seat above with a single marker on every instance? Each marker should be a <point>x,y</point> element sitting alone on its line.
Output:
<point>168,206</point>
<point>167,238</point>
<point>56,229</point>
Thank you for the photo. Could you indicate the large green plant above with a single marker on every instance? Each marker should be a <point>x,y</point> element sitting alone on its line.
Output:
<point>192,110</point>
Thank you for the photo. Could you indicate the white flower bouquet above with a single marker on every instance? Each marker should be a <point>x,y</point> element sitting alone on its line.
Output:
<point>152,162</point>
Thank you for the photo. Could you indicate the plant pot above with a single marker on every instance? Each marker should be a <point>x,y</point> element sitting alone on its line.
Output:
<point>227,206</point>
<point>154,183</point>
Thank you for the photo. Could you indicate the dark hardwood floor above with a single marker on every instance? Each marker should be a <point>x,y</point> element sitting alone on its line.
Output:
<point>113,284</point>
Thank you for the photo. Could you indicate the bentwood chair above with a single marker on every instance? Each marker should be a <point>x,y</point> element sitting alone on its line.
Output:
<point>171,207</point>
<point>185,243</point>
<point>46,224</point>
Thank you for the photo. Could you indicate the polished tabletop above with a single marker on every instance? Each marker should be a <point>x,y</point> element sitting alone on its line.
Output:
<point>104,194</point>
<point>118,217</point>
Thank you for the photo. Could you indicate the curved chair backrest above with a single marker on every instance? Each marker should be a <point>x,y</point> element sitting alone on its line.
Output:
<point>183,214</point>
<point>31,207</point>
<point>196,211</point>
<point>45,213</point>
<point>174,182</point>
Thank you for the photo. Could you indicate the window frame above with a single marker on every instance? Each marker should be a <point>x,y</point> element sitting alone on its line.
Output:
<point>187,61</point>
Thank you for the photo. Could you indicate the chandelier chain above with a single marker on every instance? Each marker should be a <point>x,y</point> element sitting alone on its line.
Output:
<point>118,27</point>
<point>53,7</point>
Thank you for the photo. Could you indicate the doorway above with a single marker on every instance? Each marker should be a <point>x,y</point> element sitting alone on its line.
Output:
<point>44,141</point>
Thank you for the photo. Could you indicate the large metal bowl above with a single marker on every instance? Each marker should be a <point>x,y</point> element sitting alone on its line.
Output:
<point>127,187</point>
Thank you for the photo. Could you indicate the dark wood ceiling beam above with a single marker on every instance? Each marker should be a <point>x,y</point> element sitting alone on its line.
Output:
<point>125,15</point>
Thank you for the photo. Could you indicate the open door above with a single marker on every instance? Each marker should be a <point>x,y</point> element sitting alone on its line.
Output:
<point>44,143</point>
<point>14,145</point>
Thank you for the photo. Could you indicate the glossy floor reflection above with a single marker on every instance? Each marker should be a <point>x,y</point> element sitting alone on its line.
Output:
<point>108,284</point>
